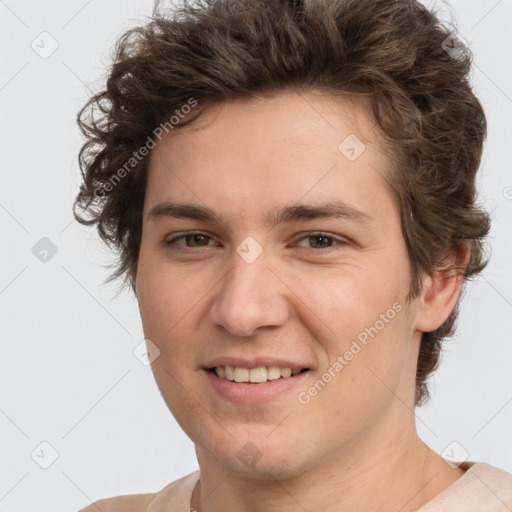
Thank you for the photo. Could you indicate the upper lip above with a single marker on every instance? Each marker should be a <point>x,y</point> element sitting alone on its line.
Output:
<point>254,362</point>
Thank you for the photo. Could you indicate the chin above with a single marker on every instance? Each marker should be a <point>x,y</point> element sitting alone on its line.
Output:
<point>263,469</point>
<point>261,458</point>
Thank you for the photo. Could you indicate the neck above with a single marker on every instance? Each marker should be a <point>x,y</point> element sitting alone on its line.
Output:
<point>387,474</point>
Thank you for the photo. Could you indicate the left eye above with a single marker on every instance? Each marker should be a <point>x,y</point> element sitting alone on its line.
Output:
<point>323,237</point>
<point>198,238</point>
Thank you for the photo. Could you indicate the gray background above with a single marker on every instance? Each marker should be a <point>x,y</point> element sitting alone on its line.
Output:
<point>68,374</point>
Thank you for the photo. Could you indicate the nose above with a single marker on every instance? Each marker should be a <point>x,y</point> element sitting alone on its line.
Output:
<point>251,296</point>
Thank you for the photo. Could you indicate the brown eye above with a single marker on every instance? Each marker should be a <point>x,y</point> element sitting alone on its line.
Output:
<point>322,241</point>
<point>191,240</point>
<point>196,239</point>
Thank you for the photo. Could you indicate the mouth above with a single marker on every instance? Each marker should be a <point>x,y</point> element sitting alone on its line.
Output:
<point>254,386</point>
<point>258,375</point>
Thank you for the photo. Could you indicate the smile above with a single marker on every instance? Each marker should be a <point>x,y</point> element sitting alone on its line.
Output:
<point>252,386</point>
<point>254,375</point>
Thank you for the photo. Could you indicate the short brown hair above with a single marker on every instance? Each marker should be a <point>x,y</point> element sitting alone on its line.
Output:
<point>393,52</point>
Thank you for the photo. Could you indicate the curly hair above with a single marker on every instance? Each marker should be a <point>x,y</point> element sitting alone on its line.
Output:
<point>396,53</point>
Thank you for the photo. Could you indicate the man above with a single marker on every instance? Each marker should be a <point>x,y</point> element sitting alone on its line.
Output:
<point>292,188</point>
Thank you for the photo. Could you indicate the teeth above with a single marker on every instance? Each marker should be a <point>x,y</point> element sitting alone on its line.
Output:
<point>273,373</point>
<point>286,372</point>
<point>241,374</point>
<point>256,375</point>
<point>228,372</point>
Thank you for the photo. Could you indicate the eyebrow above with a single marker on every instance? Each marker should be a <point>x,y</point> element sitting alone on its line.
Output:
<point>280,215</point>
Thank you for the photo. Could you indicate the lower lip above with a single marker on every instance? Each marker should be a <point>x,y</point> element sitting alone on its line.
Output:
<point>253,393</point>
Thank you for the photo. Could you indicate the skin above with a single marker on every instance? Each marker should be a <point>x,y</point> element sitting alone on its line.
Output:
<point>354,446</point>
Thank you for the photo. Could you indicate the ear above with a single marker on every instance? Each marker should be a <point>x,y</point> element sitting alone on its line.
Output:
<point>441,291</point>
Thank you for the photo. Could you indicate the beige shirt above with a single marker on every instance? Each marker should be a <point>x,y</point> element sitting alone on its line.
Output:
<point>482,488</point>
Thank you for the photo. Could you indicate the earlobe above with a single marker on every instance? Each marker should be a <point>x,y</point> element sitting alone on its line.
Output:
<point>441,292</point>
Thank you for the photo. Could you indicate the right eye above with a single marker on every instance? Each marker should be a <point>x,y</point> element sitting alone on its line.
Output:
<point>192,237</point>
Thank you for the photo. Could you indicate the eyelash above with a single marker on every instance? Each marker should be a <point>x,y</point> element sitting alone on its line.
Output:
<point>340,242</point>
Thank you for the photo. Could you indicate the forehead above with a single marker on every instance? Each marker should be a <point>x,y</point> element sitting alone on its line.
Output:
<point>271,150</point>
<point>297,114</point>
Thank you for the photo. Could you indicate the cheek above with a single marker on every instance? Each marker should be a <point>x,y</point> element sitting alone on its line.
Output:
<point>365,359</point>
<point>351,300</point>
<point>172,309</point>
<point>367,331</point>
<point>162,297</point>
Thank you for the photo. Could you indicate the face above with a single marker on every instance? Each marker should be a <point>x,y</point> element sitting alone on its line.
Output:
<point>266,280</point>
